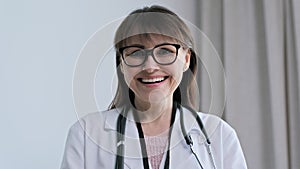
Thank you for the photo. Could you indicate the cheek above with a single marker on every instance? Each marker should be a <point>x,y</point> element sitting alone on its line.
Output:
<point>129,75</point>
<point>176,73</point>
<point>178,77</point>
<point>177,70</point>
<point>181,62</point>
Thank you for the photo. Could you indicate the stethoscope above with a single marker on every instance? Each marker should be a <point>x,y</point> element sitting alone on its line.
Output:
<point>121,125</point>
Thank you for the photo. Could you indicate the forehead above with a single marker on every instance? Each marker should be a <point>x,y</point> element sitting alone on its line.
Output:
<point>148,40</point>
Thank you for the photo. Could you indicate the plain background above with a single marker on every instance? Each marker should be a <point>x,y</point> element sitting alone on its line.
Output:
<point>39,44</point>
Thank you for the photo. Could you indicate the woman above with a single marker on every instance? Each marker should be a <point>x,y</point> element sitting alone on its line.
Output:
<point>151,123</point>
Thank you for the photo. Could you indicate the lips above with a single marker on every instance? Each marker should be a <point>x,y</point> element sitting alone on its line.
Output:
<point>152,80</point>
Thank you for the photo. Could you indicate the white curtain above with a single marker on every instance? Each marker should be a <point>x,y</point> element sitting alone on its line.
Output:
<point>259,44</point>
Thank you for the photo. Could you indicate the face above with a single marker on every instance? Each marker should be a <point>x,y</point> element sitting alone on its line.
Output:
<point>151,81</point>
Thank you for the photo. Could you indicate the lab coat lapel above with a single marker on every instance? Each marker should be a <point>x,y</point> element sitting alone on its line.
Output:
<point>132,154</point>
<point>180,153</point>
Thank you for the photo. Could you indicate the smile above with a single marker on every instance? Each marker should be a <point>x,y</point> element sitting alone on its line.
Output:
<point>152,80</point>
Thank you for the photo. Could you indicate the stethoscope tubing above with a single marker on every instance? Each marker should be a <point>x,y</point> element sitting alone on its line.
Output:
<point>121,125</point>
<point>188,137</point>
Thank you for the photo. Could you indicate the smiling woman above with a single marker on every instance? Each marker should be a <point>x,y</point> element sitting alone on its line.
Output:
<point>150,28</point>
<point>152,121</point>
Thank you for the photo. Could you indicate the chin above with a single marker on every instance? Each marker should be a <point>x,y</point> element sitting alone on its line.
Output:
<point>156,96</point>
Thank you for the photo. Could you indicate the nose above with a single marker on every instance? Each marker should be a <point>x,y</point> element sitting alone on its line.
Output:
<point>150,64</point>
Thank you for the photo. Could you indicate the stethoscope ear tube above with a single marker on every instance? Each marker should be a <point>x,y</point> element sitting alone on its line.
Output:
<point>199,121</point>
<point>121,125</point>
<point>186,136</point>
<point>189,140</point>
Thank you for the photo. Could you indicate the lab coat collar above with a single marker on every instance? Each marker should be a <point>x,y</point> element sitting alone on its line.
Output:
<point>112,118</point>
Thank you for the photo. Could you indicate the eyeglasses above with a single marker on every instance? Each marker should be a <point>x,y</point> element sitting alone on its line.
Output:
<point>136,55</point>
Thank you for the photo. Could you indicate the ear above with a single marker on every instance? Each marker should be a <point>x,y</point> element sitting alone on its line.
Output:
<point>187,60</point>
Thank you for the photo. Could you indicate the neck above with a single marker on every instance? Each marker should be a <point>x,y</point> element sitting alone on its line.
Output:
<point>155,117</point>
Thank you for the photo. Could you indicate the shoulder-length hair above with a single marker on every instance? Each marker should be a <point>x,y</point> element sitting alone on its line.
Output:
<point>156,20</point>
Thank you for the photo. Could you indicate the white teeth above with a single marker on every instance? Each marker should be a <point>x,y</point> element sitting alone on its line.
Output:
<point>153,80</point>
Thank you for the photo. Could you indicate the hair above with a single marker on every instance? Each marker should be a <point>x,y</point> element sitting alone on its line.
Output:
<point>142,23</point>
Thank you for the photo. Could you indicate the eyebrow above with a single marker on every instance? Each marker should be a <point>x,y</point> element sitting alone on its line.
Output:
<point>134,45</point>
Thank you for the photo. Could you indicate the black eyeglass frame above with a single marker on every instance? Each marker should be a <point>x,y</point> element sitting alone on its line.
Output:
<point>149,52</point>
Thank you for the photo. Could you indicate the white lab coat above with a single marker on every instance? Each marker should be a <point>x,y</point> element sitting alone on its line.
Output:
<point>91,143</point>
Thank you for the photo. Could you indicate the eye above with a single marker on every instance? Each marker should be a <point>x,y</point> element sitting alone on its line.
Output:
<point>137,53</point>
<point>133,52</point>
<point>165,50</point>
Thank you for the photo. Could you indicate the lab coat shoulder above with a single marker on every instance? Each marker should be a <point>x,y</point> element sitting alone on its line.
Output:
<point>85,139</point>
<point>225,143</point>
<point>74,148</point>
